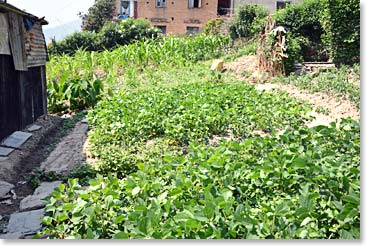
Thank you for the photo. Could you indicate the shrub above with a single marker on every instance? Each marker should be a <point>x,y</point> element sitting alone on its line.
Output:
<point>249,21</point>
<point>111,35</point>
<point>125,32</point>
<point>342,22</point>
<point>293,52</point>
<point>74,42</point>
<point>213,26</point>
<point>304,22</point>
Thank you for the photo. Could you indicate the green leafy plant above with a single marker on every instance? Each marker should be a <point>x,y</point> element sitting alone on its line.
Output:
<point>342,25</point>
<point>249,21</point>
<point>304,22</point>
<point>342,83</point>
<point>282,186</point>
<point>213,26</point>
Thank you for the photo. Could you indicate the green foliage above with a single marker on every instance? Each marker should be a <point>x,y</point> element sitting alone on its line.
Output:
<point>110,36</point>
<point>342,83</point>
<point>213,26</point>
<point>75,82</point>
<point>301,184</point>
<point>293,52</point>
<point>78,40</point>
<point>342,23</point>
<point>97,15</point>
<point>304,21</point>
<point>73,94</point>
<point>249,21</point>
<point>192,112</point>
<point>125,32</point>
<point>37,176</point>
<point>241,47</point>
<point>84,173</point>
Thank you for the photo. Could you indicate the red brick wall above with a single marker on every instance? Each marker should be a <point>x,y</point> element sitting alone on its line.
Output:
<point>177,16</point>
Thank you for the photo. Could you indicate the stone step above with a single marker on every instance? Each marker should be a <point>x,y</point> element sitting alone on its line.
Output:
<point>36,201</point>
<point>17,139</point>
<point>4,152</point>
<point>25,223</point>
<point>34,128</point>
<point>5,188</point>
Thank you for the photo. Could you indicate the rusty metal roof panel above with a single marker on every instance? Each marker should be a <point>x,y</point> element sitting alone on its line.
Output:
<point>9,7</point>
<point>35,46</point>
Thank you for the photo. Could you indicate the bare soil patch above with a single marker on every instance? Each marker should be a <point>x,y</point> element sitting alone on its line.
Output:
<point>245,68</point>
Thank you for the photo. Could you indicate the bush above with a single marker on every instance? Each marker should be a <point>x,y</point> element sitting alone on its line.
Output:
<point>249,21</point>
<point>293,52</point>
<point>304,22</point>
<point>213,26</point>
<point>74,42</point>
<point>342,22</point>
<point>125,32</point>
<point>111,35</point>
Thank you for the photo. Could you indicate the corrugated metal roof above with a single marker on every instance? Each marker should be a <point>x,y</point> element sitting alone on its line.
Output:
<point>14,9</point>
<point>35,46</point>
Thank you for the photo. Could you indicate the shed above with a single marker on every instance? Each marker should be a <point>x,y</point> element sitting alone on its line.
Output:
<point>23,57</point>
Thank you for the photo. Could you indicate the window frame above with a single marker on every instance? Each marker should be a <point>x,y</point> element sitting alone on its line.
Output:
<point>191,4</point>
<point>161,3</point>
<point>192,27</point>
<point>162,27</point>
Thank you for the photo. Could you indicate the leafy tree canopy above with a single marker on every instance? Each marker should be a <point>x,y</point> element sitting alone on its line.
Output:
<point>97,15</point>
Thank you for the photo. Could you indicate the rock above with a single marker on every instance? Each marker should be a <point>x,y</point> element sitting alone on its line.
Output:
<point>84,121</point>
<point>10,236</point>
<point>26,223</point>
<point>5,188</point>
<point>7,202</point>
<point>5,151</point>
<point>217,65</point>
<point>3,159</point>
<point>266,87</point>
<point>68,153</point>
<point>34,128</point>
<point>36,201</point>
<point>17,139</point>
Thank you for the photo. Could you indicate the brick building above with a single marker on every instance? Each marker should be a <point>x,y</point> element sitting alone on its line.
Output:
<point>185,16</point>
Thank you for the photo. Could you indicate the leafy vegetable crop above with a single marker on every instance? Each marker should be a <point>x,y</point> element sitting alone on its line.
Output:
<point>301,184</point>
<point>191,112</point>
<point>108,66</point>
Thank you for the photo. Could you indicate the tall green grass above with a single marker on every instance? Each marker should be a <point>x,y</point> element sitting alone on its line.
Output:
<point>111,66</point>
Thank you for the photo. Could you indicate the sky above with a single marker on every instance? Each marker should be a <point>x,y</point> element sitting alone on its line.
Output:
<point>56,12</point>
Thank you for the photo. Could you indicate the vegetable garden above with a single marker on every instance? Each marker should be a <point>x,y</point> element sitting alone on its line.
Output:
<point>184,152</point>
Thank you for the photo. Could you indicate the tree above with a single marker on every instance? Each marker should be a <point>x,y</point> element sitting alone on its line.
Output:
<point>97,15</point>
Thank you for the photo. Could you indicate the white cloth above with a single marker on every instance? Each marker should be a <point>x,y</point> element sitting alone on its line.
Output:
<point>4,35</point>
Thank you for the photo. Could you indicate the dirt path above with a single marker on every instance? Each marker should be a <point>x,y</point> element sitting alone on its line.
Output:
<point>48,149</point>
<point>245,69</point>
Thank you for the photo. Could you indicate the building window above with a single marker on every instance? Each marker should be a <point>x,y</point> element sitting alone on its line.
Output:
<point>162,28</point>
<point>282,4</point>
<point>125,10</point>
<point>194,4</point>
<point>192,30</point>
<point>161,4</point>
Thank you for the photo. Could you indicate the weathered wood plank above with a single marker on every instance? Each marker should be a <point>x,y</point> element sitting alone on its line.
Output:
<point>17,41</point>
